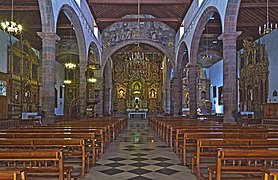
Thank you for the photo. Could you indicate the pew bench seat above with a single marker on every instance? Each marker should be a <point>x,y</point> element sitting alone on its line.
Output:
<point>13,173</point>
<point>48,171</point>
<point>243,172</point>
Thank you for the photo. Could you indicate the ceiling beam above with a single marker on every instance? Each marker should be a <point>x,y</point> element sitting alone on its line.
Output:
<point>111,20</point>
<point>258,5</point>
<point>60,26</point>
<point>135,2</point>
<point>19,8</point>
<point>240,24</point>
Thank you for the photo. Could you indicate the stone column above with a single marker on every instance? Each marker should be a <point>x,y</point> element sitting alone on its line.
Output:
<point>229,74</point>
<point>107,100</point>
<point>192,83</point>
<point>48,74</point>
<point>99,106</point>
<point>82,86</point>
<point>168,100</point>
<point>176,96</point>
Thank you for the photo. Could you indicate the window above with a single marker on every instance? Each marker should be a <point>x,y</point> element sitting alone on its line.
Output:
<point>78,2</point>
<point>200,2</point>
<point>3,88</point>
<point>214,92</point>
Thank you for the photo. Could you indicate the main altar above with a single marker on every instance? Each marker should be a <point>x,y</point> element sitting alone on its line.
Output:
<point>137,86</point>
<point>132,112</point>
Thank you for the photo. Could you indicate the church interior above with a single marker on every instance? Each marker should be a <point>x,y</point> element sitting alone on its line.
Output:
<point>138,89</point>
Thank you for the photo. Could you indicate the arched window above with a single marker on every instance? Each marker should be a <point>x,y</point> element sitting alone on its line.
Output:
<point>200,2</point>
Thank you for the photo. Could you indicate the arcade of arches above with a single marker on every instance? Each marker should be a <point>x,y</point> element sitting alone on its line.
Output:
<point>76,60</point>
<point>70,66</point>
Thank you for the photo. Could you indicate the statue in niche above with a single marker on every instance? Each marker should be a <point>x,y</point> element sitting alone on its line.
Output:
<point>136,86</point>
<point>137,103</point>
<point>16,96</point>
<point>121,94</point>
<point>152,93</point>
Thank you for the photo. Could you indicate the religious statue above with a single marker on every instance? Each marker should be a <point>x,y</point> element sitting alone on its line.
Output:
<point>136,86</point>
<point>121,93</point>
<point>152,93</point>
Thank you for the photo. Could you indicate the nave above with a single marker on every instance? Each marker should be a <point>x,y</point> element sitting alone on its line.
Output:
<point>157,148</point>
<point>138,154</point>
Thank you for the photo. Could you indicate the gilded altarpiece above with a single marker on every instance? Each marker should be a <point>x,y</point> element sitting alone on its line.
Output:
<point>203,91</point>
<point>136,84</point>
<point>25,79</point>
<point>254,74</point>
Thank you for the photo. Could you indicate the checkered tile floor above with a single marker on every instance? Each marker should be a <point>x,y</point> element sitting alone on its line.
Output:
<point>137,154</point>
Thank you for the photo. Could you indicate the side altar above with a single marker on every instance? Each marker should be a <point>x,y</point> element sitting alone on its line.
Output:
<point>141,111</point>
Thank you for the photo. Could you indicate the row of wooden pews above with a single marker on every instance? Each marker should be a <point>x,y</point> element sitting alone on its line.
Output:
<point>210,148</point>
<point>77,144</point>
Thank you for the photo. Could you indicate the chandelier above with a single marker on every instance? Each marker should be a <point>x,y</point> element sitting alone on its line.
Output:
<point>92,80</point>
<point>267,27</point>
<point>67,81</point>
<point>11,27</point>
<point>207,56</point>
<point>70,65</point>
<point>136,57</point>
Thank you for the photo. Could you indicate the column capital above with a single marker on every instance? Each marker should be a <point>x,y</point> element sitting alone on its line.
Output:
<point>229,35</point>
<point>48,36</point>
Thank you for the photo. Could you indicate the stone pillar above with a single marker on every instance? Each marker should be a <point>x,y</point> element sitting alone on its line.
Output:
<point>99,106</point>
<point>192,78</point>
<point>176,96</point>
<point>82,86</point>
<point>168,101</point>
<point>48,74</point>
<point>107,101</point>
<point>229,74</point>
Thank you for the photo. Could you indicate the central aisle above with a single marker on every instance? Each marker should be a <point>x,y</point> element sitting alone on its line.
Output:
<point>137,154</point>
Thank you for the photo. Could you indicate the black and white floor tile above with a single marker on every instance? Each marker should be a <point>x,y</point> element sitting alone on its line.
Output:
<point>137,154</point>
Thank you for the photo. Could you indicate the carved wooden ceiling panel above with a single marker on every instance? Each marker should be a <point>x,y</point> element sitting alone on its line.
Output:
<point>252,14</point>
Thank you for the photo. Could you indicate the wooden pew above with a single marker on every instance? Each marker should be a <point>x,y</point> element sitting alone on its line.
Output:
<point>33,160</point>
<point>243,161</point>
<point>190,139</point>
<point>207,148</point>
<point>71,147</point>
<point>270,123</point>
<point>88,137</point>
<point>13,173</point>
<point>179,137</point>
<point>270,173</point>
<point>99,135</point>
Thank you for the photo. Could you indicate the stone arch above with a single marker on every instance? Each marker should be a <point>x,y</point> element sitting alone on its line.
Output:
<point>181,61</point>
<point>93,46</point>
<point>97,49</point>
<point>74,19</point>
<point>108,88</point>
<point>47,16</point>
<point>199,31</point>
<point>112,50</point>
<point>231,16</point>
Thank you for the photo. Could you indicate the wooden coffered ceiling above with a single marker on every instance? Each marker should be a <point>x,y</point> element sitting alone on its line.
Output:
<point>107,12</point>
<point>252,13</point>
<point>26,13</point>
